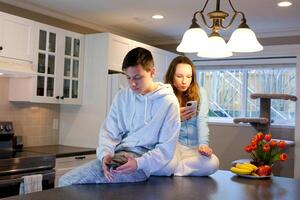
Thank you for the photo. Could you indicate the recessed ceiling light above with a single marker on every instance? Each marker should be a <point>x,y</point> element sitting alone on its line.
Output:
<point>157,17</point>
<point>284,4</point>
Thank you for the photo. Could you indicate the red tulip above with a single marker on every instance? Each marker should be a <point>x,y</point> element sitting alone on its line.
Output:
<point>273,143</point>
<point>267,137</point>
<point>283,157</point>
<point>266,148</point>
<point>248,148</point>
<point>259,136</point>
<point>254,146</point>
<point>281,144</point>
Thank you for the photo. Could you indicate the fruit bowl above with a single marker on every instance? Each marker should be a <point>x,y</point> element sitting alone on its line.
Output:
<point>254,177</point>
<point>248,170</point>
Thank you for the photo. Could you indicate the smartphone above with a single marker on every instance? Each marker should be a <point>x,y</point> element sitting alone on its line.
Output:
<point>192,104</point>
<point>117,161</point>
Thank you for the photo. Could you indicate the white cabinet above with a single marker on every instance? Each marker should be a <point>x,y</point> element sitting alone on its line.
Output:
<point>58,56</point>
<point>63,165</point>
<point>118,47</point>
<point>16,37</point>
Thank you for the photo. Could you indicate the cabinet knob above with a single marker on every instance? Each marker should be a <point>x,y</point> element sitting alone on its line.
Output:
<point>1,48</point>
<point>57,97</point>
<point>62,97</point>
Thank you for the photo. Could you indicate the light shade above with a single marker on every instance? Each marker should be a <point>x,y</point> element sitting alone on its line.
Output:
<point>193,40</point>
<point>216,48</point>
<point>244,40</point>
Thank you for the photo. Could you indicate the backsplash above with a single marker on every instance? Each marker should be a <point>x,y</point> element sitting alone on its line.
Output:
<point>36,123</point>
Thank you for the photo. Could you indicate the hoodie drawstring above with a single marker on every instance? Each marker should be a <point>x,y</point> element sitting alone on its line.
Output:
<point>145,115</point>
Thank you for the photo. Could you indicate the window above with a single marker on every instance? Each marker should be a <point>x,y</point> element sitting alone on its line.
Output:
<point>229,88</point>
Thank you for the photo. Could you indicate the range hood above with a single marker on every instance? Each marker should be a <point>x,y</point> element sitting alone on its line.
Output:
<point>15,68</point>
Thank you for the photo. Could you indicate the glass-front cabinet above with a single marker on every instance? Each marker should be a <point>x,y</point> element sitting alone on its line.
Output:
<point>46,64</point>
<point>57,60</point>
<point>72,67</point>
<point>59,66</point>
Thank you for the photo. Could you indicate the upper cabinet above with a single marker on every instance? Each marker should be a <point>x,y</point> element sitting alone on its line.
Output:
<point>59,68</point>
<point>16,37</point>
<point>118,47</point>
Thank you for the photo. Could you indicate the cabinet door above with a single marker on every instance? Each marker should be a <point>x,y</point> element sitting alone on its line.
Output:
<point>46,66</point>
<point>16,37</point>
<point>72,69</point>
<point>118,48</point>
<point>160,63</point>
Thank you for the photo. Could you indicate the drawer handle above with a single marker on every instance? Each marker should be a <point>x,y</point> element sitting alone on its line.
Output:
<point>80,157</point>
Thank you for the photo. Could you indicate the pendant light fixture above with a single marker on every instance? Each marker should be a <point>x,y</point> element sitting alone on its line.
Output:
<point>195,39</point>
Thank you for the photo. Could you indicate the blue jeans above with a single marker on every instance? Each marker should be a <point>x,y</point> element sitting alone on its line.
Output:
<point>92,172</point>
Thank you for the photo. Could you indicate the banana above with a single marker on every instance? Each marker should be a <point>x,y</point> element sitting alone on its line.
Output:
<point>244,166</point>
<point>254,174</point>
<point>240,171</point>
<point>254,168</point>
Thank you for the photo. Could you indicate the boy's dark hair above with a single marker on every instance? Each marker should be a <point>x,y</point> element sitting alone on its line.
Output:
<point>138,56</point>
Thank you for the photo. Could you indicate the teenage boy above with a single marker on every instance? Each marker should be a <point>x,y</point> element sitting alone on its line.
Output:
<point>140,131</point>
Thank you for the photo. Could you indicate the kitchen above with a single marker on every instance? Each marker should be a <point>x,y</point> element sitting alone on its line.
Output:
<point>52,124</point>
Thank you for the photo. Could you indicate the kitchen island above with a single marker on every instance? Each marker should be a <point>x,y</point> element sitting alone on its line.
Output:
<point>221,185</point>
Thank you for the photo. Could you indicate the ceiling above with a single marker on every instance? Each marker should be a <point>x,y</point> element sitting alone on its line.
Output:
<point>132,18</point>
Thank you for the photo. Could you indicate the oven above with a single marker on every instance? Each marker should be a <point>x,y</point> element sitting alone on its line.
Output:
<point>15,163</point>
<point>23,164</point>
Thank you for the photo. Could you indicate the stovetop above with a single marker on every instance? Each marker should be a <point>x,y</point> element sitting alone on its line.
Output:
<point>20,162</point>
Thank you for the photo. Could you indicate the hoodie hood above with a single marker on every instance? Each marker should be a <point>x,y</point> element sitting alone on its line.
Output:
<point>161,91</point>
<point>147,100</point>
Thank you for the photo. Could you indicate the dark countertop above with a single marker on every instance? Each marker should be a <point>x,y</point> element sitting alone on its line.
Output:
<point>60,150</point>
<point>221,185</point>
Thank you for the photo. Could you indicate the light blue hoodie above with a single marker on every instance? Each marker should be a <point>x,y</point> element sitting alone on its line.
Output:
<point>145,124</point>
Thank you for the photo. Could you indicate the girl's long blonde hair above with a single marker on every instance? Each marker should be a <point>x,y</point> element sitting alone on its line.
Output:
<point>193,92</point>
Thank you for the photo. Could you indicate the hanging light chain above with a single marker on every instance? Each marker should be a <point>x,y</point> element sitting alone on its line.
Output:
<point>217,17</point>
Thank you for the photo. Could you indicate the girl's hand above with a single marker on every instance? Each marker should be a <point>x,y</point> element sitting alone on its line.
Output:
<point>205,150</point>
<point>187,113</point>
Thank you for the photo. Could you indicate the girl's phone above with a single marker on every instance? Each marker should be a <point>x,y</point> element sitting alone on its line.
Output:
<point>191,104</point>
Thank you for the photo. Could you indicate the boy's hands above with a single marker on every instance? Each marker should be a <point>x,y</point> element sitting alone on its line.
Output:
<point>187,113</point>
<point>129,166</point>
<point>105,162</point>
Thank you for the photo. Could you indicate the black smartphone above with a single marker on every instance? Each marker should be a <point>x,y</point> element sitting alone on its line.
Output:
<point>117,161</point>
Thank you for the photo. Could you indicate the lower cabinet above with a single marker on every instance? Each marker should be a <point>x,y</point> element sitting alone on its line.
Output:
<point>63,165</point>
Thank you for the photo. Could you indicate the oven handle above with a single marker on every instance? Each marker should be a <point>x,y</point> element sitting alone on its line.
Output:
<point>14,181</point>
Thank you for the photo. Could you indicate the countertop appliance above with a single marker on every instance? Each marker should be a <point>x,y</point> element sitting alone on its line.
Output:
<point>14,164</point>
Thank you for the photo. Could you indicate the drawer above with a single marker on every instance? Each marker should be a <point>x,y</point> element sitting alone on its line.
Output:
<point>63,165</point>
<point>74,161</point>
